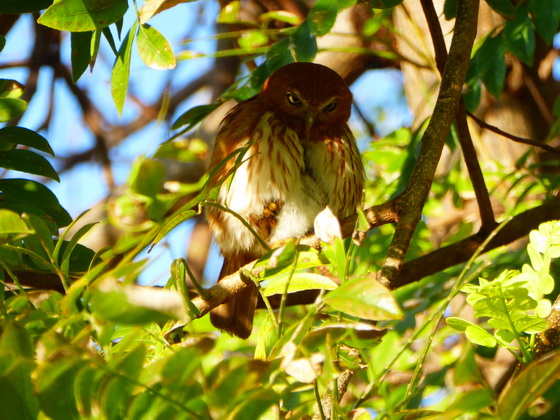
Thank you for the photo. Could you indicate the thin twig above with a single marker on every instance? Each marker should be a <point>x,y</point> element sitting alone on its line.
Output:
<point>517,139</point>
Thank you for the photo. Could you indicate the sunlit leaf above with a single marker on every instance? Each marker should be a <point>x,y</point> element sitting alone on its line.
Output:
<point>11,108</point>
<point>251,39</point>
<point>480,336</point>
<point>281,16</point>
<point>365,298</point>
<point>228,13</point>
<point>83,15</point>
<point>153,7</point>
<point>297,283</point>
<point>154,49</point>
<point>121,70</point>
<point>11,224</point>
<point>10,88</point>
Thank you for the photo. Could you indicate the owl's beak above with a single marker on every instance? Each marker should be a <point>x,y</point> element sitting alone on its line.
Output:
<point>309,121</point>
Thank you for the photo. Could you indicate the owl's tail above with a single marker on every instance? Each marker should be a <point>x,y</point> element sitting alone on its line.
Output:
<point>236,316</point>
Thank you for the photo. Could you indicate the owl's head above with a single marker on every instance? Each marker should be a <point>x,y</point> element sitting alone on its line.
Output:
<point>308,92</point>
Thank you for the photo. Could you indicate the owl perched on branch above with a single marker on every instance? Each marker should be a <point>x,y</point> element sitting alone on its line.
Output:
<point>299,156</point>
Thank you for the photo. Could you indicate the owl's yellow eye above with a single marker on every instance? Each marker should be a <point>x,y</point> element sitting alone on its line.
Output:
<point>293,99</point>
<point>331,107</point>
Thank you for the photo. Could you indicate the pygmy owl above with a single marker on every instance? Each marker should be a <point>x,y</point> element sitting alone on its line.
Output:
<point>299,156</point>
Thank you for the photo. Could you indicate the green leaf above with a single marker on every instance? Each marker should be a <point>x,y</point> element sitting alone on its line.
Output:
<point>472,94</point>
<point>480,336</point>
<point>450,9</point>
<point>27,161</point>
<point>131,362</point>
<point>153,7</point>
<point>504,337</point>
<point>109,37</point>
<point>67,248</point>
<point>121,69</point>
<point>252,39</point>
<point>42,242</point>
<point>193,116</point>
<point>298,283</point>
<point>27,6</point>
<point>85,388</point>
<point>472,401</point>
<point>172,224</point>
<point>528,386</point>
<point>503,7</point>
<point>17,396</point>
<point>136,304</point>
<point>154,49</point>
<point>228,13</point>
<point>83,15</point>
<point>11,224</point>
<point>147,177</point>
<point>490,64</point>
<point>54,383</point>
<point>81,53</point>
<point>24,137</point>
<point>32,193</point>
<point>546,16</point>
<point>458,323</point>
<point>11,108</point>
<point>15,342</point>
<point>304,43</point>
<point>365,298</point>
<point>281,16</point>
<point>321,17</point>
<point>519,38</point>
<point>10,88</point>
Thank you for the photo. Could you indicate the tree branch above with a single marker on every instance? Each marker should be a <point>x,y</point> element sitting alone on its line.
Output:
<point>518,227</point>
<point>465,140</point>
<point>494,129</point>
<point>411,202</point>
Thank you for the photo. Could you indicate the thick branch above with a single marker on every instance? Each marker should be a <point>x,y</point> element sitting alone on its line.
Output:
<point>411,202</point>
<point>469,152</point>
<point>459,252</point>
